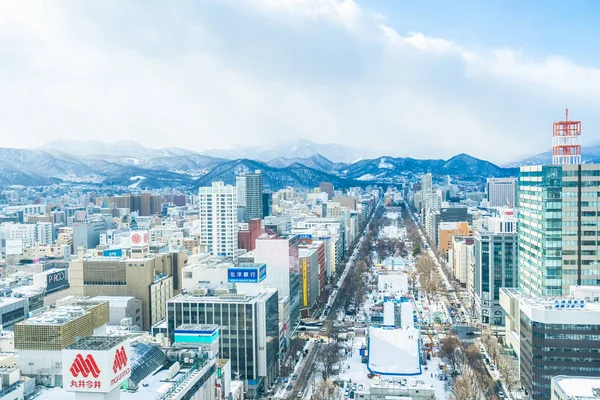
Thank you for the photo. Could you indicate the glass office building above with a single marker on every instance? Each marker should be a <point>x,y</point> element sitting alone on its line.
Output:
<point>249,331</point>
<point>559,223</point>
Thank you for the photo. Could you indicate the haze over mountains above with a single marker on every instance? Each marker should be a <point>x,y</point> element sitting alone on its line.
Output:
<point>298,163</point>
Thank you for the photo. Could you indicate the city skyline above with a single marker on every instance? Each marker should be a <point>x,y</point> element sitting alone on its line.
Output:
<point>227,74</point>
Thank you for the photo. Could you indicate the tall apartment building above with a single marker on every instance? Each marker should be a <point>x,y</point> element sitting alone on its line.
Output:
<point>496,254</point>
<point>281,256</point>
<point>249,331</point>
<point>426,183</point>
<point>218,219</point>
<point>558,227</point>
<point>553,336</point>
<point>502,192</point>
<point>45,233</point>
<point>254,199</point>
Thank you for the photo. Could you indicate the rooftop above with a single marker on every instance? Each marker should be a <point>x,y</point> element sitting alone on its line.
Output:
<point>116,301</point>
<point>578,388</point>
<point>557,303</point>
<point>97,343</point>
<point>228,298</point>
<point>198,327</point>
<point>63,314</point>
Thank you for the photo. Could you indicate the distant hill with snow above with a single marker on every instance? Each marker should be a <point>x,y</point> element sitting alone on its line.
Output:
<point>129,164</point>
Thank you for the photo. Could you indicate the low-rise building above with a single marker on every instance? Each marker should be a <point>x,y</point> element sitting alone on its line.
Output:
<point>41,338</point>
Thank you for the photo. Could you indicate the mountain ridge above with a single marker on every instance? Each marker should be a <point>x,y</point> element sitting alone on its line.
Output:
<point>187,169</point>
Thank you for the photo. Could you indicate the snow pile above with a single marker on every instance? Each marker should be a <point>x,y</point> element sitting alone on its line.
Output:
<point>392,285</point>
<point>394,351</point>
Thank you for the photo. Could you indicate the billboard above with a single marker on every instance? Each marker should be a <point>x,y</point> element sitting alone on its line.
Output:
<point>57,279</point>
<point>250,274</point>
<point>14,247</point>
<point>138,238</point>
<point>113,253</point>
<point>98,371</point>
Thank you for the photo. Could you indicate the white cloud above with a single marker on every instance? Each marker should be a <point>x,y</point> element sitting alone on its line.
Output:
<point>68,75</point>
<point>344,12</point>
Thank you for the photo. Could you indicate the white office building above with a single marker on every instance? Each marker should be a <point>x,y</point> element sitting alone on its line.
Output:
<point>502,192</point>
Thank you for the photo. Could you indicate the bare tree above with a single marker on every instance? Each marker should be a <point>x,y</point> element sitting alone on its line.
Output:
<point>325,390</point>
<point>329,357</point>
<point>490,343</point>
<point>486,385</point>
<point>473,358</point>
<point>464,387</point>
<point>509,371</point>
<point>451,352</point>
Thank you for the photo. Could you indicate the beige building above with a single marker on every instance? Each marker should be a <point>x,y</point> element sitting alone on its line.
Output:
<point>447,230</point>
<point>41,338</point>
<point>153,279</point>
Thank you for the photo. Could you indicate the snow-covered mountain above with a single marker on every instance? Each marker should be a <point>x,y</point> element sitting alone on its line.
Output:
<point>295,149</point>
<point>122,151</point>
<point>136,165</point>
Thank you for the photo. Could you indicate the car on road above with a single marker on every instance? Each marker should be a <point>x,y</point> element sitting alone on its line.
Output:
<point>501,395</point>
<point>469,333</point>
<point>300,394</point>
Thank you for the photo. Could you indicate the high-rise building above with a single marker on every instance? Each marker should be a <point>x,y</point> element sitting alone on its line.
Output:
<point>553,336</point>
<point>495,266</point>
<point>249,331</point>
<point>254,198</point>
<point>502,192</point>
<point>426,183</point>
<point>218,219</point>
<point>249,190</point>
<point>558,227</point>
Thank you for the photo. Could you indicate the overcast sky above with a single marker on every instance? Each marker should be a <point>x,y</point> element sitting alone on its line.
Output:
<point>420,79</point>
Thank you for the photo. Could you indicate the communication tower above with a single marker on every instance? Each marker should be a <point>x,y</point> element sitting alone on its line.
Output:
<point>566,141</point>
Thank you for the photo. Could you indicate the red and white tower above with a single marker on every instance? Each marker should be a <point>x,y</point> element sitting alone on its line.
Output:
<point>566,141</point>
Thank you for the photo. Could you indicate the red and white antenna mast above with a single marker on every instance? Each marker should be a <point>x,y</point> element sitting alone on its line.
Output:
<point>566,141</point>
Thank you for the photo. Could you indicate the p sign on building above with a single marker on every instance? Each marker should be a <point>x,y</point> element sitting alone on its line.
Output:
<point>97,364</point>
